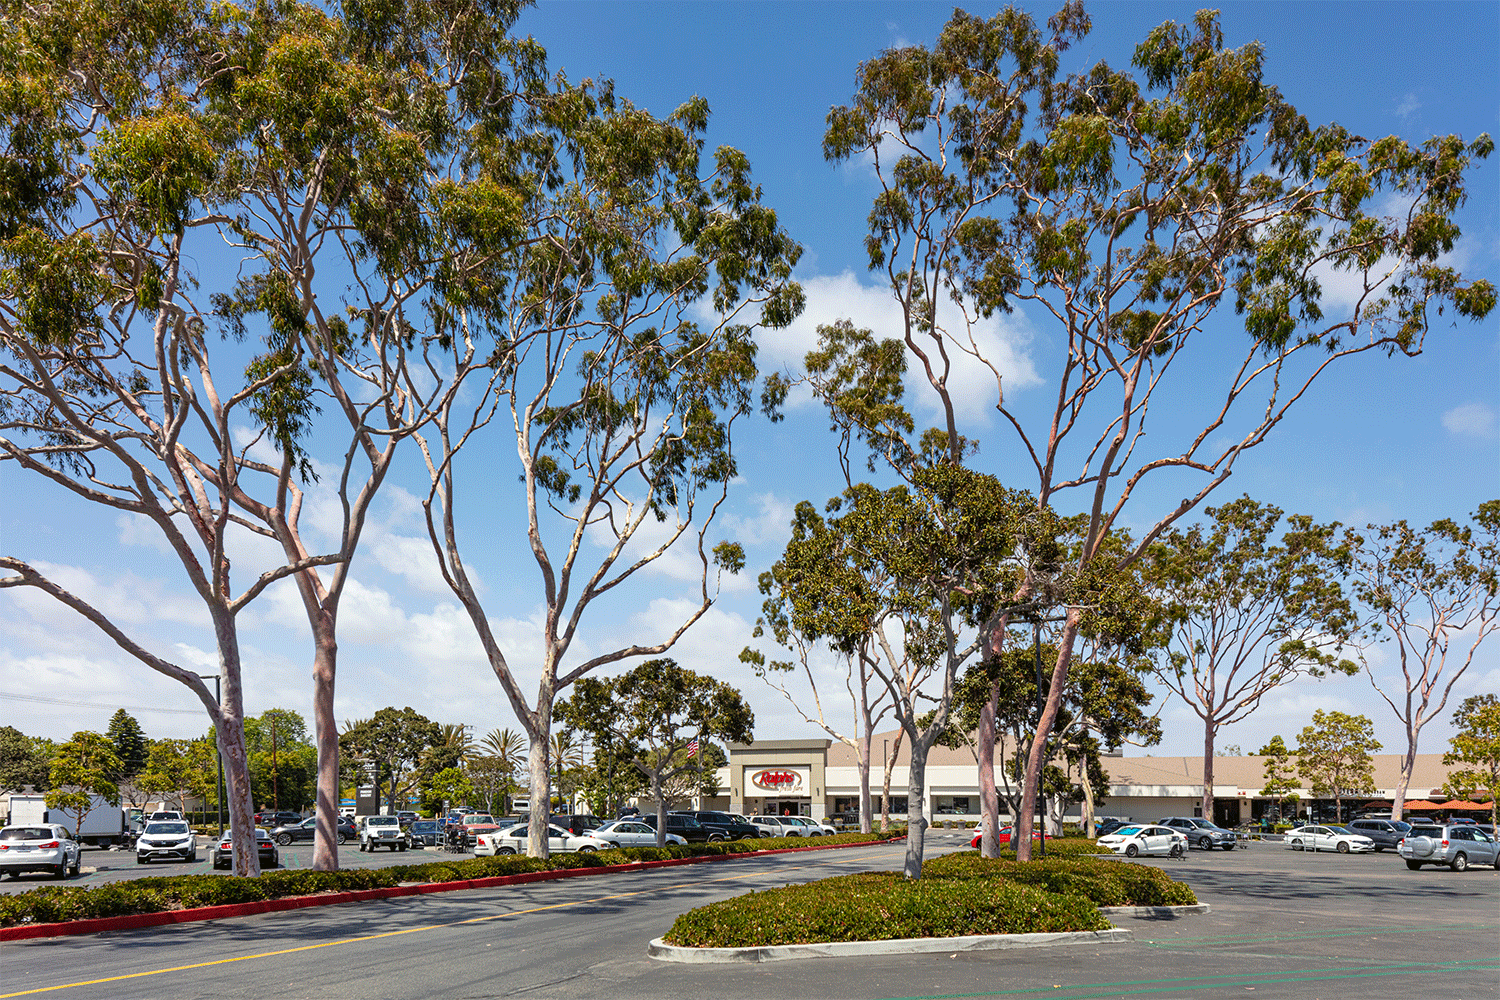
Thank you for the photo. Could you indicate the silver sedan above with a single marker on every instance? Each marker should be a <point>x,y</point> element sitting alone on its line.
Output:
<point>631,833</point>
<point>1328,838</point>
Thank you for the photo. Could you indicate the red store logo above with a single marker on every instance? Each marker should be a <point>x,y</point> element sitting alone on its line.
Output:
<point>776,781</point>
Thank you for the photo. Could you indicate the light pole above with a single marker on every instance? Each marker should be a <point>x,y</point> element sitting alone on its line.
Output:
<point>218,755</point>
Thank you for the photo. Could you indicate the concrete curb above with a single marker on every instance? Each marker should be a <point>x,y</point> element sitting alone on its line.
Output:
<point>97,925</point>
<point>663,952</point>
<point>1156,912</point>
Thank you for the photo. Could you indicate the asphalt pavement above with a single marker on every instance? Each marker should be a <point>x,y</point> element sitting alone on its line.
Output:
<point>1282,924</point>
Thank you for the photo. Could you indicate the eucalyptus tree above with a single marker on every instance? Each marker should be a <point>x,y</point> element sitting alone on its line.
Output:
<point>1333,755</point>
<point>606,359</point>
<point>1434,591</point>
<point>652,713</point>
<point>390,745</point>
<point>144,145</point>
<point>901,578</point>
<point>1249,614</point>
<point>85,767</point>
<point>1476,747</point>
<point>1122,211</point>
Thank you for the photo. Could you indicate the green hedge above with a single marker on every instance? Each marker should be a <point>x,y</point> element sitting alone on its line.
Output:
<point>874,906</point>
<point>960,893</point>
<point>55,903</point>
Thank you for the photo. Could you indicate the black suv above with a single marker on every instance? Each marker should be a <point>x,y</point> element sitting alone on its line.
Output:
<point>722,826</point>
<point>577,823</point>
<point>686,827</point>
<point>307,829</point>
<point>1385,832</point>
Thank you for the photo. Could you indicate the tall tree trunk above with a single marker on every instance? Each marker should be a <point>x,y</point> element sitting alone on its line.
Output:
<point>326,733</point>
<point>230,733</point>
<point>1037,758</point>
<point>865,820</point>
<point>885,790</point>
<point>1403,781</point>
<point>661,807</point>
<point>916,817</point>
<point>540,763</point>
<point>1209,726</point>
<point>989,796</point>
<point>1088,799</point>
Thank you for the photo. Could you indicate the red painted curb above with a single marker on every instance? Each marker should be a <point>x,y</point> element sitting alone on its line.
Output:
<point>132,921</point>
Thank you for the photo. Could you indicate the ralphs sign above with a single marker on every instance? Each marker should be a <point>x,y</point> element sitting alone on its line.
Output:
<point>779,780</point>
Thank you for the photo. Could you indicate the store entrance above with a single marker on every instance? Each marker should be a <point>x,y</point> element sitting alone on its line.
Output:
<point>789,807</point>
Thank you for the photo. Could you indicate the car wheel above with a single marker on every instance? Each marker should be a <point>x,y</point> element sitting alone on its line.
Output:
<point>507,850</point>
<point>361,846</point>
<point>401,848</point>
<point>193,858</point>
<point>1460,862</point>
<point>78,864</point>
<point>1178,850</point>
<point>587,850</point>
<point>139,860</point>
<point>1131,850</point>
<point>1206,844</point>
<point>342,840</point>
<point>1296,845</point>
<point>1414,865</point>
<point>285,840</point>
<point>1343,848</point>
<point>61,871</point>
<point>714,838</point>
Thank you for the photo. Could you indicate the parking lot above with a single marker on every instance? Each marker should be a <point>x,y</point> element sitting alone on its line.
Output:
<point>103,866</point>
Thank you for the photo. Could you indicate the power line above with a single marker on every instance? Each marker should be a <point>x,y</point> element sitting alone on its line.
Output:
<point>6,695</point>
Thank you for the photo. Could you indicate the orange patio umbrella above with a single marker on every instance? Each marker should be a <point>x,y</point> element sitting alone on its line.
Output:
<point>1464,804</point>
<point>1420,804</point>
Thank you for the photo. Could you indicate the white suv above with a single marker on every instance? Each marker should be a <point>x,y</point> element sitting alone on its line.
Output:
<point>381,831</point>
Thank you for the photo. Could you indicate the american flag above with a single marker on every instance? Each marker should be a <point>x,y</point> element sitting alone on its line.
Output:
<point>693,749</point>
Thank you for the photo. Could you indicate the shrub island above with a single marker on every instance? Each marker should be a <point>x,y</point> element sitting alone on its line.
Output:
<point>57,903</point>
<point>958,894</point>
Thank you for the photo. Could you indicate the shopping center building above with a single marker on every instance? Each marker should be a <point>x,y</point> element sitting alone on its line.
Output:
<point>820,778</point>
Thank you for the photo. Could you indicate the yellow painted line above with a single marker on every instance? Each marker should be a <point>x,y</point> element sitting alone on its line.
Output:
<point>389,934</point>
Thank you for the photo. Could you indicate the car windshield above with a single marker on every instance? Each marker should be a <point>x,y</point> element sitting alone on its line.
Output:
<point>382,821</point>
<point>1127,831</point>
<point>26,833</point>
<point>478,818</point>
<point>166,828</point>
<point>424,825</point>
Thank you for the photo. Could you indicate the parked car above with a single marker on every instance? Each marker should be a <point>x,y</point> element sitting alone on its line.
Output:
<point>270,857</point>
<point>271,819</point>
<point>630,832</point>
<point>1135,839</point>
<point>1328,838</point>
<point>471,825</point>
<point>381,831</point>
<point>424,833</point>
<point>1005,835</point>
<point>777,826</point>
<point>169,839</point>
<point>1201,833</point>
<point>1457,845</point>
<point>1110,825</point>
<point>406,818</point>
<point>307,829</point>
<point>686,827</point>
<point>1383,832</point>
<point>726,826</point>
<point>515,839</point>
<point>163,814</point>
<point>810,826</point>
<point>48,847</point>
<point>578,823</point>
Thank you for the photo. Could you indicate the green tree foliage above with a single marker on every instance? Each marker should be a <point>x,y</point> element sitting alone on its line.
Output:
<point>1249,613</point>
<point>1333,755</point>
<point>83,767</point>
<point>283,761</point>
<point>388,747</point>
<point>1433,592</point>
<point>626,272</point>
<point>1476,746</point>
<point>1129,211</point>
<point>24,760</point>
<point>655,710</point>
<point>130,743</point>
<point>491,781</point>
<point>899,578</point>
<point>1280,774</point>
<point>177,770</point>
<point>451,786</point>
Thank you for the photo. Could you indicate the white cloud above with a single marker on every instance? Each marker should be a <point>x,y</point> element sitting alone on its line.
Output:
<point>1409,103</point>
<point>999,340</point>
<point>1471,419</point>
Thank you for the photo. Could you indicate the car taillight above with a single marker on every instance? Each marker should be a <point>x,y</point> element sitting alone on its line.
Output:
<point>226,846</point>
<point>50,843</point>
<point>1445,841</point>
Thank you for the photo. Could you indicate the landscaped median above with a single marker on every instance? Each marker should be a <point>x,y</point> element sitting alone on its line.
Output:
<point>63,908</point>
<point>962,899</point>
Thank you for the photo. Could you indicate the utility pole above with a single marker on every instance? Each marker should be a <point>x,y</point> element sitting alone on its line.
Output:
<point>219,757</point>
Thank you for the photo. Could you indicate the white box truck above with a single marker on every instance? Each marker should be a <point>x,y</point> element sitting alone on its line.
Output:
<point>103,825</point>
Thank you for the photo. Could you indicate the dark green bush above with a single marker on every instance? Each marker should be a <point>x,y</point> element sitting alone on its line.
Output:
<point>876,906</point>
<point>1106,882</point>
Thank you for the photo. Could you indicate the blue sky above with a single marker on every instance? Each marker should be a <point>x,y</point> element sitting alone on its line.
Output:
<point>1374,440</point>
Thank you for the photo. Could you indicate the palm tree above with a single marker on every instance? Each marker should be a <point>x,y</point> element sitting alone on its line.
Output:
<point>507,746</point>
